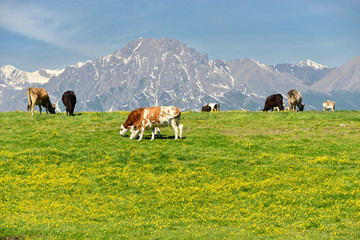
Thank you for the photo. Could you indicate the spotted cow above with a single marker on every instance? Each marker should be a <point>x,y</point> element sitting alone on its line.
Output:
<point>143,119</point>
<point>327,105</point>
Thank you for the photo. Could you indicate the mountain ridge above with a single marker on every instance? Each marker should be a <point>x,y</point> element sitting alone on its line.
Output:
<point>148,72</point>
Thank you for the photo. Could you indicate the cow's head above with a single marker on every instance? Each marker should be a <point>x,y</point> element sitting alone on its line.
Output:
<point>123,130</point>
<point>301,108</point>
<point>52,108</point>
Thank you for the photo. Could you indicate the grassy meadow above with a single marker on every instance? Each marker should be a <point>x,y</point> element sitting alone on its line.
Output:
<point>235,175</point>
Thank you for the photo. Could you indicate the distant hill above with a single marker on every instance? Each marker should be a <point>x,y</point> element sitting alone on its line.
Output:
<point>345,78</point>
<point>148,72</point>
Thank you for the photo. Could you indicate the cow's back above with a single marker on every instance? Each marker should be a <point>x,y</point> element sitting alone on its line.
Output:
<point>65,99</point>
<point>134,118</point>
<point>69,100</point>
<point>294,96</point>
<point>160,116</point>
<point>38,96</point>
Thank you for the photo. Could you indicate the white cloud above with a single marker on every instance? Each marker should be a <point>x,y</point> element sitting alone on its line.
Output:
<point>37,22</point>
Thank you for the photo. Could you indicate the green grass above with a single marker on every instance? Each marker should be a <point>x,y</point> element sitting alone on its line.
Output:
<point>235,175</point>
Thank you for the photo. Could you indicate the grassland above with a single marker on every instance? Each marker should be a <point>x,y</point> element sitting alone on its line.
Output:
<point>235,175</point>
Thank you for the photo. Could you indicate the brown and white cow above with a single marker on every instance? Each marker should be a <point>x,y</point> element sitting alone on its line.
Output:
<point>40,97</point>
<point>143,119</point>
<point>295,99</point>
<point>327,105</point>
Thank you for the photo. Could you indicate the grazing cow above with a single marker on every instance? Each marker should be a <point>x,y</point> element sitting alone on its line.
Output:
<point>295,99</point>
<point>327,105</point>
<point>40,97</point>
<point>69,100</point>
<point>211,107</point>
<point>206,108</point>
<point>143,119</point>
<point>274,102</point>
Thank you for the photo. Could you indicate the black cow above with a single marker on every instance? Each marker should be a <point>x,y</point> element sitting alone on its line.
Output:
<point>211,107</point>
<point>206,109</point>
<point>275,100</point>
<point>69,100</point>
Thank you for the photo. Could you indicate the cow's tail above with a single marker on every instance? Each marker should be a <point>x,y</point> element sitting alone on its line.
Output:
<point>29,99</point>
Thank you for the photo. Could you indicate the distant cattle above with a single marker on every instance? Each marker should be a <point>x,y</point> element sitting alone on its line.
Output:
<point>69,100</point>
<point>295,99</point>
<point>327,105</point>
<point>274,102</point>
<point>206,108</point>
<point>211,107</point>
<point>40,97</point>
<point>143,119</point>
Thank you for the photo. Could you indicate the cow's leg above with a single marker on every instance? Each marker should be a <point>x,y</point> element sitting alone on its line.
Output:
<point>40,109</point>
<point>175,127</point>
<point>158,130</point>
<point>153,132</point>
<point>133,133</point>
<point>32,109</point>
<point>181,129</point>
<point>141,134</point>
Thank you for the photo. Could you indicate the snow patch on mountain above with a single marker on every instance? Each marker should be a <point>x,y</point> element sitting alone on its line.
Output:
<point>309,63</point>
<point>15,77</point>
<point>262,65</point>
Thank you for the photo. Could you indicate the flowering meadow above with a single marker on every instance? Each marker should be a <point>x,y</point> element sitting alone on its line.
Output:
<point>235,175</point>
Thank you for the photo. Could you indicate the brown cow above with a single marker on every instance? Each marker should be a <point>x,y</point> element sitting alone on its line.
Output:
<point>40,97</point>
<point>295,99</point>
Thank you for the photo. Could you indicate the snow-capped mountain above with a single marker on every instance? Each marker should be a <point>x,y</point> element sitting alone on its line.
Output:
<point>307,71</point>
<point>148,72</point>
<point>17,79</point>
<point>14,82</point>
<point>311,64</point>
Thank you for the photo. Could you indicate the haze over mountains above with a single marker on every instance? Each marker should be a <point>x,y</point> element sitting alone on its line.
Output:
<point>149,72</point>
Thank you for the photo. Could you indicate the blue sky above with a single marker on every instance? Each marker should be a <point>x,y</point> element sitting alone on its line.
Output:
<point>55,34</point>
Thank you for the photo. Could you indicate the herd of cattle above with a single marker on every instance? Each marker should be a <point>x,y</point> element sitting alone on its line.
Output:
<point>40,97</point>
<point>275,102</point>
<point>152,118</point>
